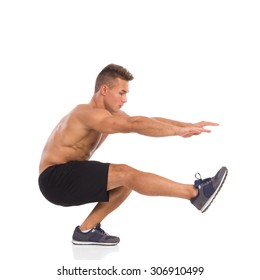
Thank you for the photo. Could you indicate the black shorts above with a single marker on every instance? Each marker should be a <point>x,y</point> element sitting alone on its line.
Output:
<point>75,183</point>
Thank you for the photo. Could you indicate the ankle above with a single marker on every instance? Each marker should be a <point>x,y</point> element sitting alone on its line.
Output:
<point>194,192</point>
<point>85,227</point>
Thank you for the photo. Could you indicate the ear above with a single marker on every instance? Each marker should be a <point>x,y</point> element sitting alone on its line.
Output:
<point>103,90</point>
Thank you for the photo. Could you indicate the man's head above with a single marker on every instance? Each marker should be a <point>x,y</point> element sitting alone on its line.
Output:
<point>110,73</point>
<point>112,87</point>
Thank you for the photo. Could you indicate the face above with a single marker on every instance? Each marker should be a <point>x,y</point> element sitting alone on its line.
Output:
<point>116,96</point>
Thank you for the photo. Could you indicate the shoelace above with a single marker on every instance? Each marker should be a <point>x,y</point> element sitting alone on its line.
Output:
<point>200,182</point>
<point>97,227</point>
<point>196,176</point>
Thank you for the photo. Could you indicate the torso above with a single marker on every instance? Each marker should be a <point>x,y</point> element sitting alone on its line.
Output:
<point>71,140</point>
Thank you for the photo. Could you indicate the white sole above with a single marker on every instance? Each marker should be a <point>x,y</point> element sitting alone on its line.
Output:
<point>92,243</point>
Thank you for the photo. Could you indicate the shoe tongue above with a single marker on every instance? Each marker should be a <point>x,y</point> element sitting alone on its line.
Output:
<point>197,183</point>
<point>98,226</point>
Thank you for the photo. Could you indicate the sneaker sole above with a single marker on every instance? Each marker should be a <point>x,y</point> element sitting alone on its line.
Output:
<point>92,243</point>
<point>208,203</point>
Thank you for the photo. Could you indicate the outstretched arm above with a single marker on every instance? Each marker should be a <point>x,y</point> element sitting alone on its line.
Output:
<point>159,127</point>
<point>184,124</point>
<point>172,122</point>
<point>104,122</point>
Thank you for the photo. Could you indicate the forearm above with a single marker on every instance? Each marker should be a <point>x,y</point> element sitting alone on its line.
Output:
<point>154,127</point>
<point>159,127</point>
<point>172,122</point>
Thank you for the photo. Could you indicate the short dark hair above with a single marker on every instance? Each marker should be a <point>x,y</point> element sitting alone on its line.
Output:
<point>110,73</point>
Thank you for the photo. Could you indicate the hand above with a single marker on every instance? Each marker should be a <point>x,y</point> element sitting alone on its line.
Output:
<point>195,129</point>
<point>190,131</point>
<point>203,123</point>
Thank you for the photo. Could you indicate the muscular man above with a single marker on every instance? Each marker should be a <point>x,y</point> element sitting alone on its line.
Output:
<point>68,177</point>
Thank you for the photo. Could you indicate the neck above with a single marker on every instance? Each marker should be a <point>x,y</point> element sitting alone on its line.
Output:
<point>97,101</point>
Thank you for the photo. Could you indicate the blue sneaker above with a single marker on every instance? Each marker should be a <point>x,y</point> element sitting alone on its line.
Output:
<point>208,189</point>
<point>96,236</point>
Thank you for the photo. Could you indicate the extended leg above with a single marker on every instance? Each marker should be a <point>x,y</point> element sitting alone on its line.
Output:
<point>147,183</point>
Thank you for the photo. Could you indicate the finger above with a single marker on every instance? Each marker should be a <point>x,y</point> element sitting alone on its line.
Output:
<point>193,132</point>
<point>210,124</point>
<point>205,130</point>
<point>201,129</point>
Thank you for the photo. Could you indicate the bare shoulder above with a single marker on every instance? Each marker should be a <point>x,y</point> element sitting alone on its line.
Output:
<point>89,116</point>
<point>121,114</point>
<point>98,119</point>
<point>85,111</point>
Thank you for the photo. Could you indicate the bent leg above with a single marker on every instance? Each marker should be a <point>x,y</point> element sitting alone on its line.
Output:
<point>147,183</point>
<point>102,209</point>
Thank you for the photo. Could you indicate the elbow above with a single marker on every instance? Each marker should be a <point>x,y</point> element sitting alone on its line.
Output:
<point>137,124</point>
<point>132,125</point>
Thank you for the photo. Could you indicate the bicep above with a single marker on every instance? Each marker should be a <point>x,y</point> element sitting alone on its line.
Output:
<point>115,124</point>
<point>107,123</point>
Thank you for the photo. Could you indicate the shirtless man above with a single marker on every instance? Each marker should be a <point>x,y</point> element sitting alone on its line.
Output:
<point>68,177</point>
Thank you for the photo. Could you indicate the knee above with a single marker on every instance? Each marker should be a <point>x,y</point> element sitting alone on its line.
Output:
<point>125,169</point>
<point>124,173</point>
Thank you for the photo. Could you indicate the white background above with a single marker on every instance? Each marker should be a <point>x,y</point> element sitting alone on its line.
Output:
<point>192,61</point>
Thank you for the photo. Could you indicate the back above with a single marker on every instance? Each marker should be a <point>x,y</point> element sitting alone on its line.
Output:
<point>70,140</point>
